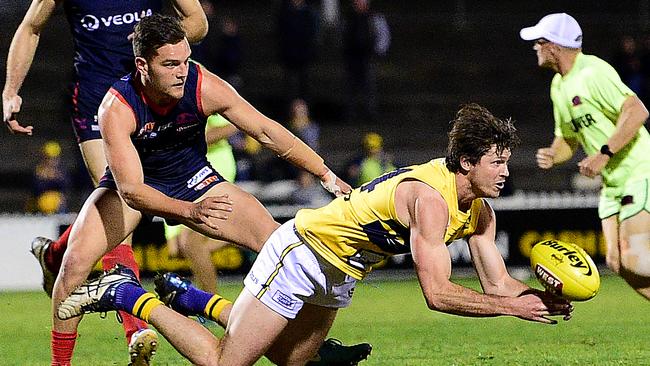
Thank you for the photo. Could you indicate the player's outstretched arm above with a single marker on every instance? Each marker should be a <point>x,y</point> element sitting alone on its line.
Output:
<point>217,96</point>
<point>193,18</point>
<point>426,212</point>
<point>19,60</point>
<point>487,259</point>
<point>117,123</point>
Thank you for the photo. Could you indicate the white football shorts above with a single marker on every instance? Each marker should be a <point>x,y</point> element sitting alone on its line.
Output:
<point>287,274</point>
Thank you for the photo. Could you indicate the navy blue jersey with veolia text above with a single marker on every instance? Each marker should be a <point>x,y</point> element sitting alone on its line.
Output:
<point>103,52</point>
<point>100,30</point>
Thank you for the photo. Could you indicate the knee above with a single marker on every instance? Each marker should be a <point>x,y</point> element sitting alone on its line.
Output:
<point>209,360</point>
<point>639,266</point>
<point>635,255</point>
<point>74,266</point>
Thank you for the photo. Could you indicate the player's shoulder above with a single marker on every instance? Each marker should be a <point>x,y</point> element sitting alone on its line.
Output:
<point>421,194</point>
<point>556,81</point>
<point>594,65</point>
<point>124,87</point>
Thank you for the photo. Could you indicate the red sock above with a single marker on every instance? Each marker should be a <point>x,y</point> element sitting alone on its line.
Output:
<point>62,347</point>
<point>54,254</point>
<point>123,254</point>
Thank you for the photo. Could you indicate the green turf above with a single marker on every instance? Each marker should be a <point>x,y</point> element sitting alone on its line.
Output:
<point>611,329</point>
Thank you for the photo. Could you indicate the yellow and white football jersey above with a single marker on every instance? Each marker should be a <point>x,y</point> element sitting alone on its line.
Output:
<point>360,229</point>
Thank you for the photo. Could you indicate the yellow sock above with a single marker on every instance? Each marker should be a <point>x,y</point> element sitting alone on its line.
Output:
<point>144,305</point>
<point>215,306</point>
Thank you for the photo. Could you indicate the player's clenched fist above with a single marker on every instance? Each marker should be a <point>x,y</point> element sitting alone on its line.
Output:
<point>545,157</point>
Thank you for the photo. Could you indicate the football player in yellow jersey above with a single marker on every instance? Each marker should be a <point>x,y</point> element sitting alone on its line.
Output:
<point>308,268</point>
<point>593,108</point>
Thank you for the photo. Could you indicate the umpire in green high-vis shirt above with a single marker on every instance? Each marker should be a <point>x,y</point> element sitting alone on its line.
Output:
<point>594,108</point>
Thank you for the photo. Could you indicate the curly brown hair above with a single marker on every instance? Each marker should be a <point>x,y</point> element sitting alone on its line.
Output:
<point>155,31</point>
<point>473,133</point>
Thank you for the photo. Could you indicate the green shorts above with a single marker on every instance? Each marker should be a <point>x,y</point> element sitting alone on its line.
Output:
<point>624,201</point>
<point>172,231</point>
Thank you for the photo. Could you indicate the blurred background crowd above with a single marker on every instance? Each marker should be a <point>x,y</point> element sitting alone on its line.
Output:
<point>369,85</point>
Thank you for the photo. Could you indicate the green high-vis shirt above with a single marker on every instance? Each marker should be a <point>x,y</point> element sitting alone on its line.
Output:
<point>220,153</point>
<point>586,105</point>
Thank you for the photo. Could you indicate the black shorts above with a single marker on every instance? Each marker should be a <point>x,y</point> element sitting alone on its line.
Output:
<point>185,189</point>
<point>86,98</point>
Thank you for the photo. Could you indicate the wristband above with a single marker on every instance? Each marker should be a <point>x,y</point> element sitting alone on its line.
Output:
<point>606,151</point>
<point>328,181</point>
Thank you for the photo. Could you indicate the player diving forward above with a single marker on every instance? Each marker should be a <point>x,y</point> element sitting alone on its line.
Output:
<point>153,130</point>
<point>308,268</point>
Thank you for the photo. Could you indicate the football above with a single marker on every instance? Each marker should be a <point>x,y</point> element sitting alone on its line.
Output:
<point>565,270</point>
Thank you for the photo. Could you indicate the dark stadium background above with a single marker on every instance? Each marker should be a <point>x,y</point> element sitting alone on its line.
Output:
<point>443,54</point>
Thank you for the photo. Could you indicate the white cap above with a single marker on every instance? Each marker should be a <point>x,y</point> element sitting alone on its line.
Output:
<point>560,28</point>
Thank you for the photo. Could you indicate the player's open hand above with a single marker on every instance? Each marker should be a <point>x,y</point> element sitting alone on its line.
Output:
<point>538,306</point>
<point>334,184</point>
<point>545,157</point>
<point>10,108</point>
<point>211,210</point>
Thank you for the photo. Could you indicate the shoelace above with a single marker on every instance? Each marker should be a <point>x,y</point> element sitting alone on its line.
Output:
<point>334,341</point>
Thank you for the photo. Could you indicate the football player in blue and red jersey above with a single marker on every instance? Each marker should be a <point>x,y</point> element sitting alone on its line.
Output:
<point>102,54</point>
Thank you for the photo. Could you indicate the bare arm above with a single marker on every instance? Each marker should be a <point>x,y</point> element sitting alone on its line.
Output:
<point>427,214</point>
<point>633,116</point>
<point>560,151</point>
<point>19,60</point>
<point>487,260</point>
<point>214,134</point>
<point>193,18</point>
<point>117,123</point>
<point>217,96</point>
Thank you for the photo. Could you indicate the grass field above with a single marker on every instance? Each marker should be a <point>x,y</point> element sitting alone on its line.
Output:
<point>611,329</point>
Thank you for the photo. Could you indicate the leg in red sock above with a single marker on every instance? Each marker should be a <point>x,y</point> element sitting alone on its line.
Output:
<point>54,253</point>
<point>123,254</point>
<point>50,255</point>
<point>62,347</point>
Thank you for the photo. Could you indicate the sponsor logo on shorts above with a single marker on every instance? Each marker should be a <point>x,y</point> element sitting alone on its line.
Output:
<point>627,200</point>
<point>91,23</point>
<point>81,123</point>
<point>284,300</point>
<point>206,182</point>
<point>198,177</point>
<point>251,275</point>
